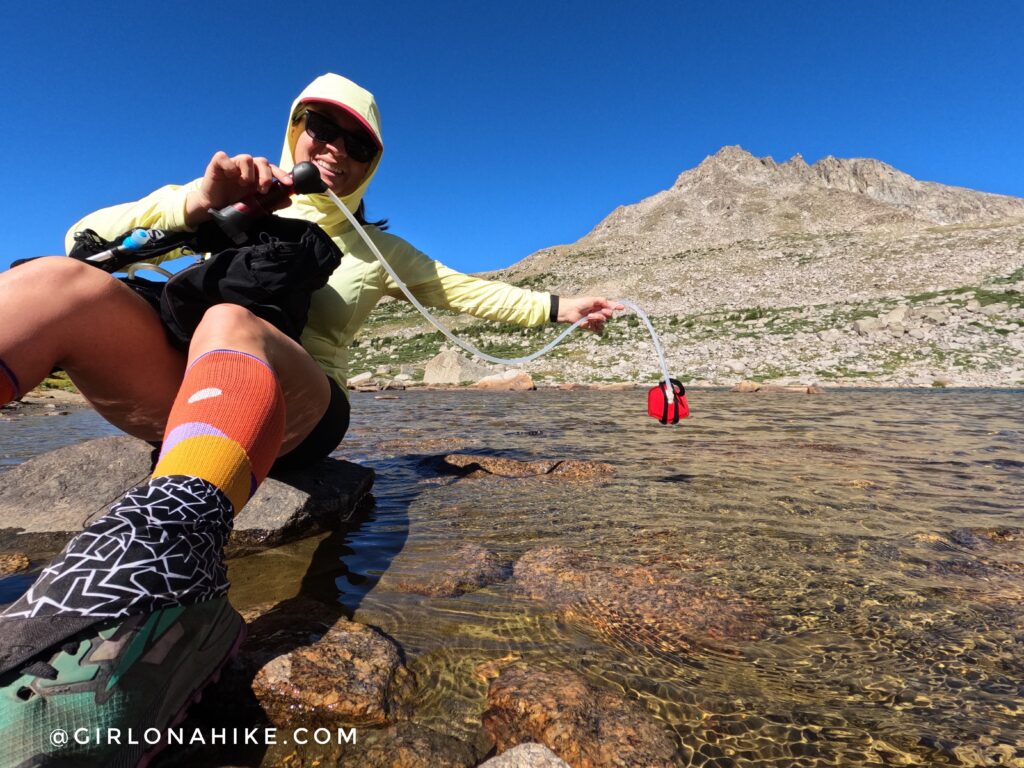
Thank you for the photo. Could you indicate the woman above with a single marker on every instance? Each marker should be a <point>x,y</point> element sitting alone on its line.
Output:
<point>148,577</point>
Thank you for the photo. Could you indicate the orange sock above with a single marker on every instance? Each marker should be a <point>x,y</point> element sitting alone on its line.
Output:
<point>226,424</point>
<point>9,387</point>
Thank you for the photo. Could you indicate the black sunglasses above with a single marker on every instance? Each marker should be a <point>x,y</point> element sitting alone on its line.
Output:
<point>358,144</point>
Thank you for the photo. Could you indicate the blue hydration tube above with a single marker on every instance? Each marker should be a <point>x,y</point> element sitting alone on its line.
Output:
<point>469,347</point>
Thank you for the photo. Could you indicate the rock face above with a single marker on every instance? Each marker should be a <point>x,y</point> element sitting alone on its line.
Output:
<point>655,607</point>
<point>51,497</point>
<point>585,726</point>
<point>474,467</point>
<point>450,367</point>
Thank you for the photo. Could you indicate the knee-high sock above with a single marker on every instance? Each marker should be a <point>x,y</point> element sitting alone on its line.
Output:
<point>226,424</point>
<point>9,387</point>
<point>163,543</point>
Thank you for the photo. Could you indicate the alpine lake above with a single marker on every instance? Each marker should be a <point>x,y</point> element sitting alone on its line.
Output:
<point>874,537</point>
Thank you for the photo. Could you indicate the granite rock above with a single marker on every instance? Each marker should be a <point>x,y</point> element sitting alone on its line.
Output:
<point>49,498</point>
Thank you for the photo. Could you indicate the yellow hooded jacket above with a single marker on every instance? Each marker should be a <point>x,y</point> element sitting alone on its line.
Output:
<point>339,309</point>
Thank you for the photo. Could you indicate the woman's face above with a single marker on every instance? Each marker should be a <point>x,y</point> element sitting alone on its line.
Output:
<point>339,171</point>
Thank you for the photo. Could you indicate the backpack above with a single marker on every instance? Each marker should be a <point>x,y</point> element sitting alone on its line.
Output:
<point>273,275</point>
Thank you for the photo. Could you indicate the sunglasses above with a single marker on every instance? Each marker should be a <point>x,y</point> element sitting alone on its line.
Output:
<point>358,144</point>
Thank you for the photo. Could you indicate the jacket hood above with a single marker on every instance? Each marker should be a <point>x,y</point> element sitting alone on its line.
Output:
<point>358,102</point>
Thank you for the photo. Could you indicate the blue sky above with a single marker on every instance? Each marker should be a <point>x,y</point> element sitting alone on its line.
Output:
<point>510,126</point>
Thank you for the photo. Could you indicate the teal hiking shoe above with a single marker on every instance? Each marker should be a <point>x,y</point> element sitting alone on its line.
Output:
<point>136,675</point>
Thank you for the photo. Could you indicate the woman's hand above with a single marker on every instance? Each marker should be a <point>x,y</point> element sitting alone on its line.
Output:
<point>595,308</point>
<point>229,179</point>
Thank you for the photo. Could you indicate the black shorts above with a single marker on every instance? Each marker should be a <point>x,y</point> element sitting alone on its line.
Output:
<point>325,436</point>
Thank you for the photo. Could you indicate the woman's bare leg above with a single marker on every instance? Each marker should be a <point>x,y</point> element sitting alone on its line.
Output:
<point>58,311</point>
<point>303,383</point>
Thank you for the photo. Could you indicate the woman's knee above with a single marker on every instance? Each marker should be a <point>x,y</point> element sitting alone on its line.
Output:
<point>64,280</point>
<point>234,327</point>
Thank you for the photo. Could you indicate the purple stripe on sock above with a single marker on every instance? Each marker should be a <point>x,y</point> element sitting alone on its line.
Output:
<point>230,352</point>
<point>14,379</point>
<point>187,430</point>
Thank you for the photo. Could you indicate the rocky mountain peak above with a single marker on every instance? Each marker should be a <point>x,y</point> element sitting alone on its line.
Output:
<point>733,195</point>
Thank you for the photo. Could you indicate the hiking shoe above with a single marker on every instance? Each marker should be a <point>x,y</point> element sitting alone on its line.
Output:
<point>129,674</point>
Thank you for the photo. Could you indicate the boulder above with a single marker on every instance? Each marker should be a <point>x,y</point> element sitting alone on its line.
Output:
<point>449,367</point>
<point>345,678</point>
<point>529,755</point>
<point>931,314</point>
<point>656,607</point>
<point>582,724</point>
<point>517,381</point>
<point>303,664</point>
<point>867,325</point>
<point>895,316</point>
<point>360,379</point>
<point>991,310</point>
<point>49,498</point>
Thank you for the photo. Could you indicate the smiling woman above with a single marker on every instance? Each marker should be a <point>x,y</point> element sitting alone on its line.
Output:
<point>244,398</point>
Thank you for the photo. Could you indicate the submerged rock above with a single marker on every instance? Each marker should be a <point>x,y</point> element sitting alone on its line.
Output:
<point>466,568</point>
<point>473,467</point>
<point>14,562</point>
<point>582,724</point>
<point>305,664</point>
<point>658,608</point>
<point>49,498</point>
<point>527,755</point>
<point>407,745</point>
<point>348,677</point>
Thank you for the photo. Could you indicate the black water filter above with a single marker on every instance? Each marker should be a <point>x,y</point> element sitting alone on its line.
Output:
<point>236,219</point>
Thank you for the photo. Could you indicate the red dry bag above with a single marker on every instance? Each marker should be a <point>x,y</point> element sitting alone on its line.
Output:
<point>665,409</point>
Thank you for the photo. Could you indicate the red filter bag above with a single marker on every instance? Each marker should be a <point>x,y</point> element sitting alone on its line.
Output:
<point>665,409</point>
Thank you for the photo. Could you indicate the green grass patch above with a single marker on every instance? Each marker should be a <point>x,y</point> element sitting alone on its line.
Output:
<point>58,380</point>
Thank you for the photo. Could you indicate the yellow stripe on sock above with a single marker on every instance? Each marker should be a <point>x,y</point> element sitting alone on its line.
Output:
<point>217,460</point>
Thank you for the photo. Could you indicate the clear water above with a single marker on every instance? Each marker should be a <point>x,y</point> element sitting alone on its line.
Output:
<point>882,531</point>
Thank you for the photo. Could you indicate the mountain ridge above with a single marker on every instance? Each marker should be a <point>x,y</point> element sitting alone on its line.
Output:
<point>733,195</point>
